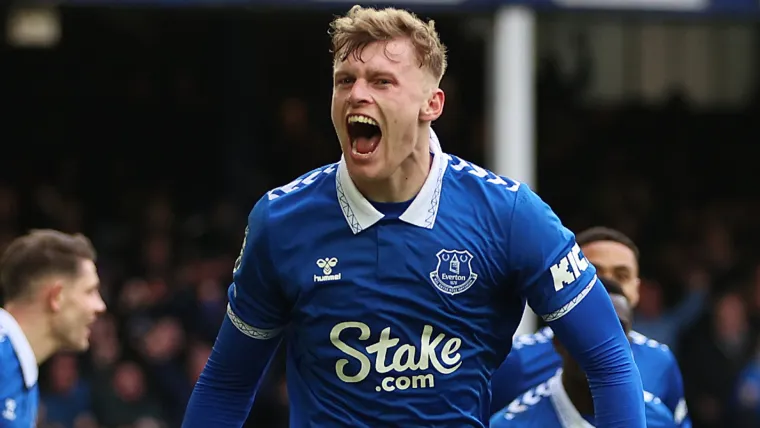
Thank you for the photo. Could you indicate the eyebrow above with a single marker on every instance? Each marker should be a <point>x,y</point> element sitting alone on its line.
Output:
<point>370,72</point>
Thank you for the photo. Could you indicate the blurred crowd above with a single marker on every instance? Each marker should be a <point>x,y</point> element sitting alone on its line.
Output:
<point>158,148</point>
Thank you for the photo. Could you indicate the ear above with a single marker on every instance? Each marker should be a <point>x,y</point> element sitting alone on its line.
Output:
<point>635,300</point>
<point>54,296</point>
<point>434,107</point>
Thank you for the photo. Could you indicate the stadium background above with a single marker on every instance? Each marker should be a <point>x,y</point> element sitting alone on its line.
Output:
<point>153,129</point>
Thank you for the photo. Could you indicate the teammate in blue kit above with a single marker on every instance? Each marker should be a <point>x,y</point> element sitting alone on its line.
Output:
<point>564,401</point>
<point>534,360</point>
<point>399,274</point>
<point>51,291</point>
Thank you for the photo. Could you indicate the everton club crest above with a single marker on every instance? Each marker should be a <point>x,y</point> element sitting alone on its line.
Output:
<point>453,274</point>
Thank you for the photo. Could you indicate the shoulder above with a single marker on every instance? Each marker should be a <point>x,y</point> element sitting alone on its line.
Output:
<point>304,186</point>
<point>650,347</point>
<point>479,182</point>
<point>511,203</point>
<point>657,413</point>
<point>7,352</point>
<point>312,187</point>
<point>9,366</point>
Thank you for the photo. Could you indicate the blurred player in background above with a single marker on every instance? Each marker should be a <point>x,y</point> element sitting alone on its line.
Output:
<point>534,359</point>
<point>565,399</point>
<point>51,291</point>
<point>400,274</point>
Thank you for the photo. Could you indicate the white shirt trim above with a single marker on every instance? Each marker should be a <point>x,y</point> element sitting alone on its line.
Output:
<point>249,330</point>
<point>422,212</point>
<point>564,310</point>
<point>21,346</point>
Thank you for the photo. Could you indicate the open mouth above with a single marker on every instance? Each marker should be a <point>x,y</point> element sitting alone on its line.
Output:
<point>365,134</point>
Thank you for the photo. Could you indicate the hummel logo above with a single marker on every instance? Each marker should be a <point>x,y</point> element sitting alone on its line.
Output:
<point>327,264</point>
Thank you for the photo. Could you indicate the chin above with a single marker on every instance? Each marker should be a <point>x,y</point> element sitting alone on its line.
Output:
<point>78,345</point>
<point>366,171</point>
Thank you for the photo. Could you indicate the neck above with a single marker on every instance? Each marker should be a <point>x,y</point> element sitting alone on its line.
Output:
<point>407,181</point>
<point>579,393</point>
<point>35,328</point>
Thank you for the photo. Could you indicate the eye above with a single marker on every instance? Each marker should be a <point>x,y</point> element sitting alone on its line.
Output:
<point>383,82</point>
<point>344,81</point>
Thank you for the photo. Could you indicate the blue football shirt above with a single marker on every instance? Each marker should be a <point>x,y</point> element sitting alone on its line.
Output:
<point>399,317</point>
<point>533,360</point>
<point>19,395</point>
<point>548,406</point>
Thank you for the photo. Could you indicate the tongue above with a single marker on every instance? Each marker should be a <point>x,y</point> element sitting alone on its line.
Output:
<point>366,145</point>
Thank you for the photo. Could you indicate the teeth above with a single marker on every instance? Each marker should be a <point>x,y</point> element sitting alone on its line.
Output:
<point>362,119</point>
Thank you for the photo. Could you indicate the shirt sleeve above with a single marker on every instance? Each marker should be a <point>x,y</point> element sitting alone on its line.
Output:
<point>549,267</point>
<point>257,305</point>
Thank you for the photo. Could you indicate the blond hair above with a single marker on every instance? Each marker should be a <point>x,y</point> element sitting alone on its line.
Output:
<point>361,26</point>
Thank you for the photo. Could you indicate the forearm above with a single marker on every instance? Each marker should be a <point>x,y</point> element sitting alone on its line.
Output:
<point>591,332</point>
<point>224,393</point>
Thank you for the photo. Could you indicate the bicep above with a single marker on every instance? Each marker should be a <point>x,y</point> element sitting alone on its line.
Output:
<point>549,267</point>
<point>257,306</point>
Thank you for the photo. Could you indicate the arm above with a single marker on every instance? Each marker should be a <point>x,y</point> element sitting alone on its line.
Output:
<point>562,287</point>
<point>248,338</point>
<point>688,310</point>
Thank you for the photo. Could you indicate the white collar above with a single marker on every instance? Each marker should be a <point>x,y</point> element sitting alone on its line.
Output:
<point>21,346</point>
<point>568,415</point>
<point>359,212</point>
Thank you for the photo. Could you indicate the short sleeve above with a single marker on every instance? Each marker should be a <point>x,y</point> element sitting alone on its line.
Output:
<point>257,305</point>
<point>550,270</point>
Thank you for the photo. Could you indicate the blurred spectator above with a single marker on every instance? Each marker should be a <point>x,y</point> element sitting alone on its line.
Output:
<point>67,399</point>
<point>748,394</point>
<point>665,325</point>
<point>126,400</point>
<point>715,351</point>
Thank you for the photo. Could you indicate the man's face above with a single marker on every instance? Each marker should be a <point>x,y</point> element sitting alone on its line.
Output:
<point>614,260</point>
<point>77,307</point>
<point>624,311</point>
<point>379,104</point>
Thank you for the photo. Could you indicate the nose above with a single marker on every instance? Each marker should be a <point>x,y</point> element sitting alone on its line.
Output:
<point>100,306</point>
<point>360,93</point>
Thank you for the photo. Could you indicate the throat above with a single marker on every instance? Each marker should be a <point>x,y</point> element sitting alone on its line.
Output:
<point>401,186</point>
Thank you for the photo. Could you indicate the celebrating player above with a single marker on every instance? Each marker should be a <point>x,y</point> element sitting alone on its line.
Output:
<point>51,290</point>
<point>565,399</point>
<point>534,360</point>
<point>399,274</point>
